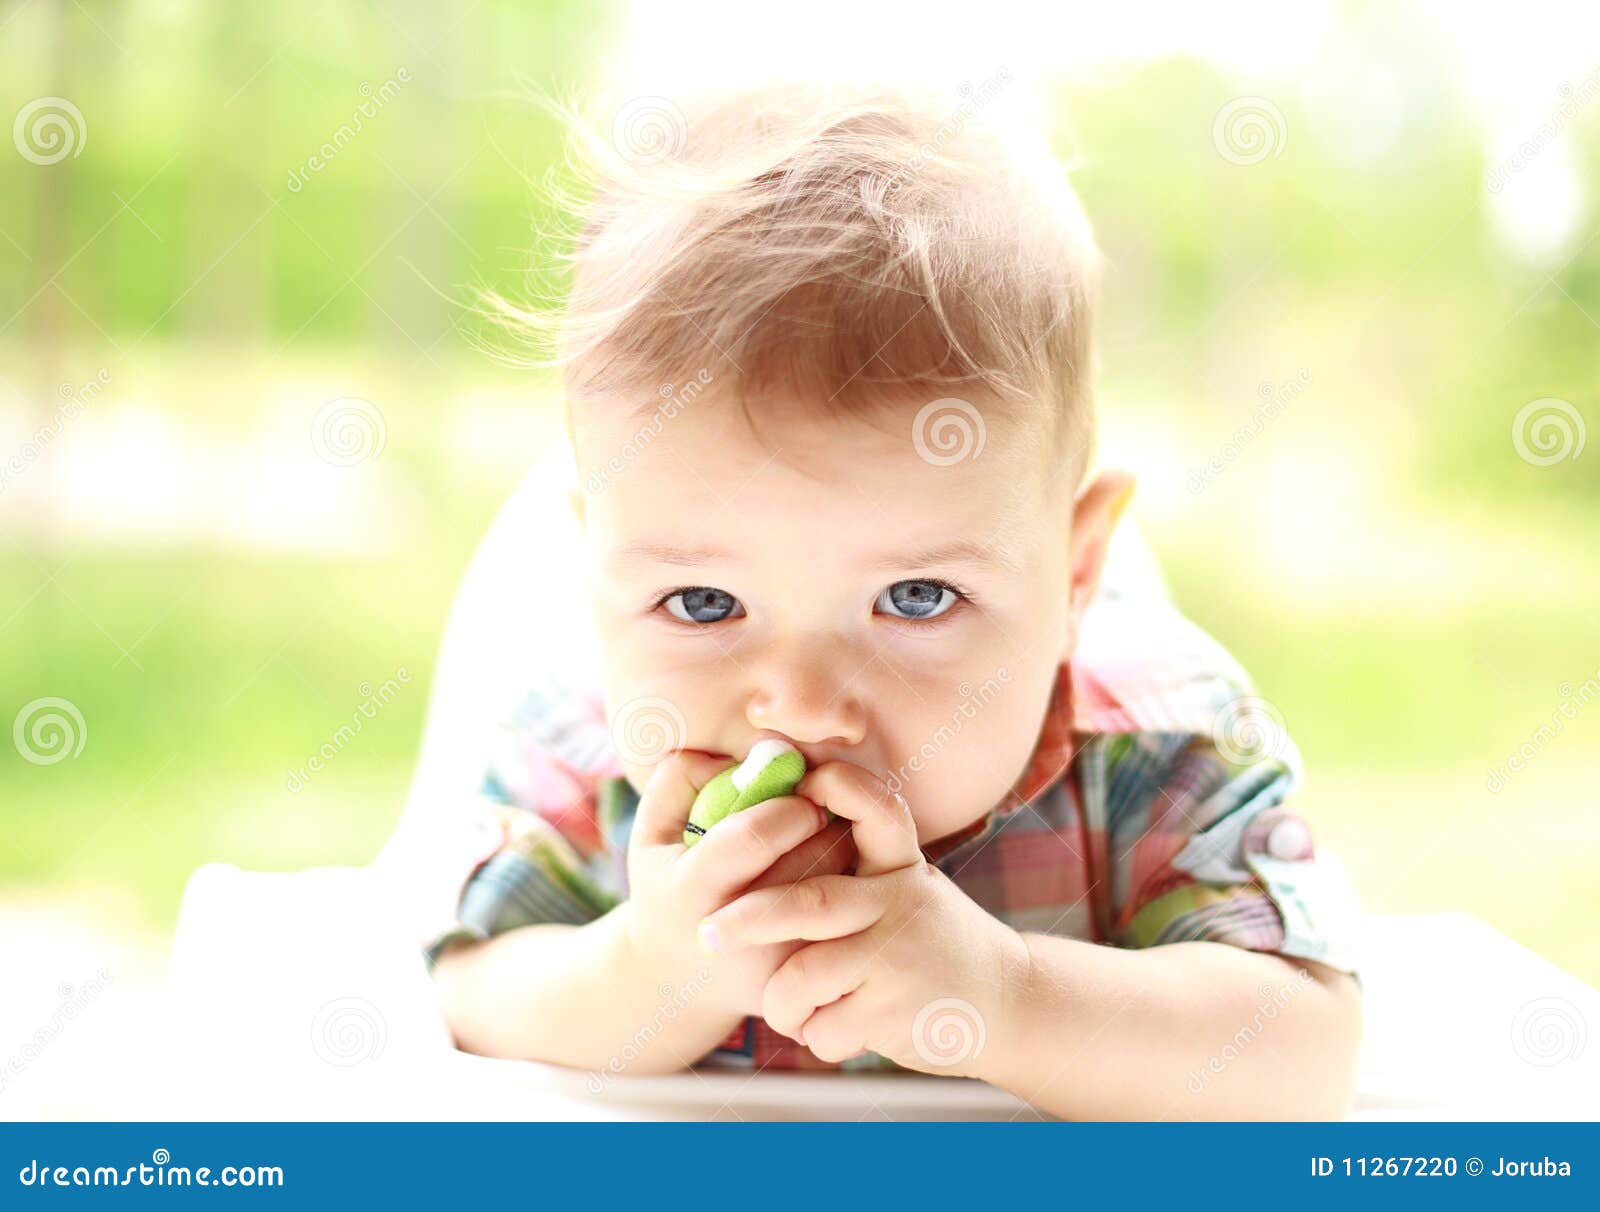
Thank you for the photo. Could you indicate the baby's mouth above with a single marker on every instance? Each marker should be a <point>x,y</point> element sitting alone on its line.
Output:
<point>760,755</point>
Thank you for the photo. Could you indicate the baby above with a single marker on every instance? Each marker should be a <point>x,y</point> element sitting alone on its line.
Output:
<point>827,358</point>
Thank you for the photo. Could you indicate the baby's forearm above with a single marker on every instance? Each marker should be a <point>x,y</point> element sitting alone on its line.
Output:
<point>576,996</point>
<point>1184,1031</point>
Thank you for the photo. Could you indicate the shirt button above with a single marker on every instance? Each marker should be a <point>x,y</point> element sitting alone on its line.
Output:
<point>1289,840</point>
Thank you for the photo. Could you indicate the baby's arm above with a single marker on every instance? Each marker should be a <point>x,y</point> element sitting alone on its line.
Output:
<point>907,965</point>
<point>574,995</point>
<point>1184,1030</point>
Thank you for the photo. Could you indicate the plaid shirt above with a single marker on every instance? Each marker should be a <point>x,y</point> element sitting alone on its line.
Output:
<point>1150,812</point>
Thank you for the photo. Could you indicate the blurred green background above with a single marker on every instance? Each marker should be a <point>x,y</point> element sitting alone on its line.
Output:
<point>1413,594</point>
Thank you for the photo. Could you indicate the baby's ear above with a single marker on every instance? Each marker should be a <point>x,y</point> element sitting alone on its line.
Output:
<point>1095,514</point>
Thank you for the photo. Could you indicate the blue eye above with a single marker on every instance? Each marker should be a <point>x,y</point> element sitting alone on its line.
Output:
<point>917,599</point>
<point>702,604</point>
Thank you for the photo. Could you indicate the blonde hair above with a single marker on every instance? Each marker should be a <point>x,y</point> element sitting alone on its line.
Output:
<point>853,246</point>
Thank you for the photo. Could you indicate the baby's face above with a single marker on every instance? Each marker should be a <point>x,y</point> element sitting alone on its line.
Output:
<point>825,582</point>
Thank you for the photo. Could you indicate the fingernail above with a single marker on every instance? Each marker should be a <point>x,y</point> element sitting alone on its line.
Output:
<point>823,813</point>
<point>710,938</point>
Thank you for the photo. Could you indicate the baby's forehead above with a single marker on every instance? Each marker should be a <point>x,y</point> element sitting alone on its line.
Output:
<point>932,446</point>
<point>811,479</point>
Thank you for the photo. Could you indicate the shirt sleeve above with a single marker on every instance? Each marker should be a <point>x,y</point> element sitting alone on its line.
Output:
<point>1200,844</point>
<point>550,819</point>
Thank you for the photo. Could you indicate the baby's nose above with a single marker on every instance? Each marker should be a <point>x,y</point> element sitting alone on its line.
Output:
<point>808,704</point>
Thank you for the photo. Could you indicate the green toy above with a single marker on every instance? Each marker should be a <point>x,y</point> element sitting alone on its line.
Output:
<point>772,768</point>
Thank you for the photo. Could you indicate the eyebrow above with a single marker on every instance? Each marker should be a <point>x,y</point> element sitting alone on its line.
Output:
<point>956,551</point>
<point>665,553</point>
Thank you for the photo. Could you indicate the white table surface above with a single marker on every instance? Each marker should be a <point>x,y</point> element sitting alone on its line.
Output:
<point>292,996</point>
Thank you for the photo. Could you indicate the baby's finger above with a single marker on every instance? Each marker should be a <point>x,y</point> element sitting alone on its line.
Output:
<point>740,847</point>
<point>815,976</point>
<point>829,906</point>
<point>836,1032</point>
<point>830,852</point>
<point>885,833</point>
<point>664,805</point>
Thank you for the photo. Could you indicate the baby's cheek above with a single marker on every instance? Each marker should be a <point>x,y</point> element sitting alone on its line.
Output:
<point>945,794</point>
<point>968,761</point>
<point>651,714</point>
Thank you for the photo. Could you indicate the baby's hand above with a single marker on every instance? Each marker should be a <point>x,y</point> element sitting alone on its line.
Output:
<point>905,963</point>
<point>672,887</point>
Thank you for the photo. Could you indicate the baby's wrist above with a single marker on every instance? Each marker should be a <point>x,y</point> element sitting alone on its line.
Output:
<point>648,966</point>
<point>632,957</point>
<point>1008,1052</point>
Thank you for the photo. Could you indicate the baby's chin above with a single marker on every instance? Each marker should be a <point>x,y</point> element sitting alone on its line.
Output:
<point>936,822</point>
